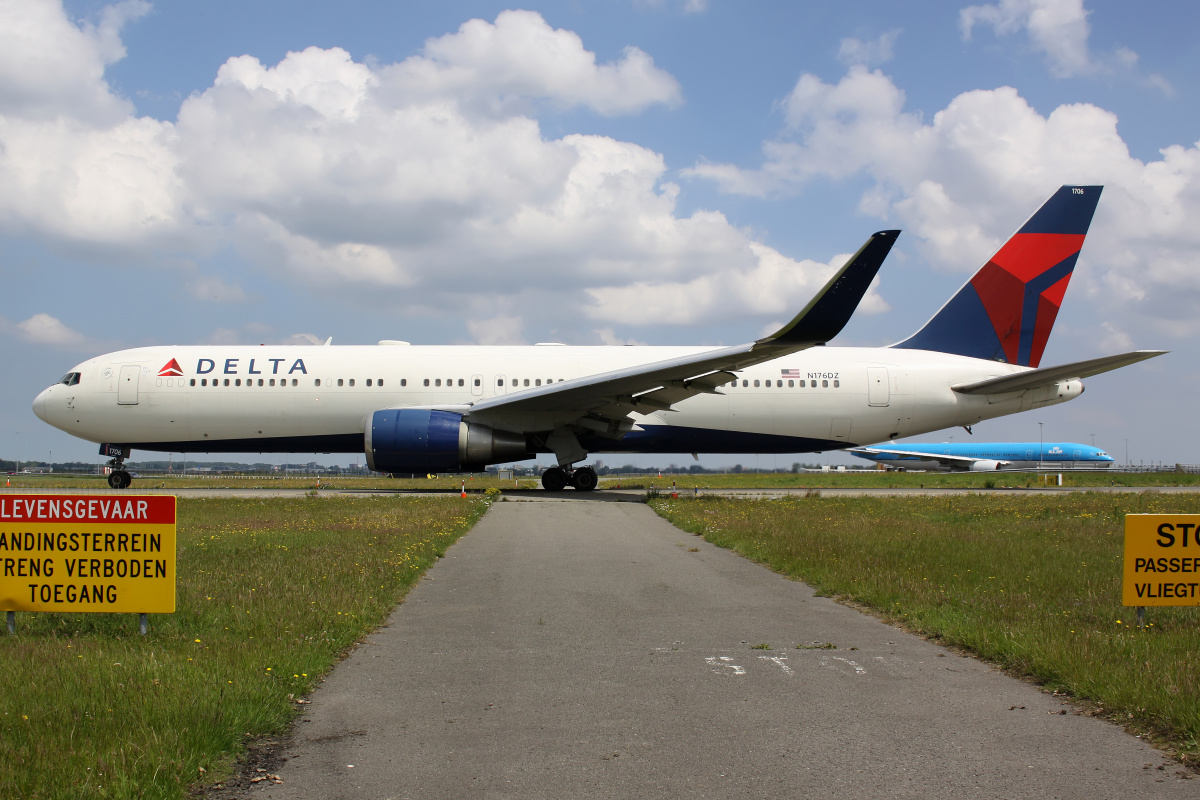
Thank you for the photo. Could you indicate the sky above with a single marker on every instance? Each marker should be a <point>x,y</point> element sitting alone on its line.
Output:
<point>589,172</point>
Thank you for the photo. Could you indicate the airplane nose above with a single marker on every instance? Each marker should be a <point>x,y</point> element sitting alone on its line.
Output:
<point>39,405</point>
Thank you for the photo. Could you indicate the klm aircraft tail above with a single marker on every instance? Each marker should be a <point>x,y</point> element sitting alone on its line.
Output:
<point>1006,311</point>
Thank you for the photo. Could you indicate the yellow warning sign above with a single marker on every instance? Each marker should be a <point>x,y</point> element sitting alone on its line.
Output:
<point>1162,560</point>
<point>87,553</point>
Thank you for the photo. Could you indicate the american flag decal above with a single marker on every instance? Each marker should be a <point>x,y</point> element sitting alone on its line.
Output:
<point>789,373</point>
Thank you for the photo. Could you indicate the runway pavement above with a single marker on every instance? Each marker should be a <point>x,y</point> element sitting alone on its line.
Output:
<point>592,650</point>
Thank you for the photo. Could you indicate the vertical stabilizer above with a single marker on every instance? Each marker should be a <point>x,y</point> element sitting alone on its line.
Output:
<point>1005,312</point>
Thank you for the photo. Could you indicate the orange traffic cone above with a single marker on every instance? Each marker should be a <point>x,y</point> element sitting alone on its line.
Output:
<point>464,489</point>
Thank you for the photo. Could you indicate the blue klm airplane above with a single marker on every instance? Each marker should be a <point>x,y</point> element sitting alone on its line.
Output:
<point>987,456</point>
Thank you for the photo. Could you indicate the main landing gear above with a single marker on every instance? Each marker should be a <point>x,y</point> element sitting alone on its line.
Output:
<point>583,479</point>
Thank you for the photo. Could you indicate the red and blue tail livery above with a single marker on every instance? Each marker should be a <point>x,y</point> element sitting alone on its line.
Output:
<point>1005,312</point>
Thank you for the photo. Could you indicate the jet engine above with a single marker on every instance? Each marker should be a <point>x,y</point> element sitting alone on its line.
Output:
<point>984,465</point>
<point>422,440</point>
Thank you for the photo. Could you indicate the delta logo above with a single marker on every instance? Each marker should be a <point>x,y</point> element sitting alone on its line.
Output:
<point>233,366</point>
<point>171,370</point>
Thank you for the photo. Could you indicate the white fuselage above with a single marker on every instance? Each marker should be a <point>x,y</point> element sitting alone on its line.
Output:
<point>318,399</point>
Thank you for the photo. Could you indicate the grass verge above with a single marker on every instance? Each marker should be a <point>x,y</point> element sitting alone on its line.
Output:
<point>1032,583</point>
<point>270,594</point>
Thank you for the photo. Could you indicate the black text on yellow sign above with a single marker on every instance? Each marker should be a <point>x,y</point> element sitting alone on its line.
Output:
<point>87,553</point>
<point>1162,560</point>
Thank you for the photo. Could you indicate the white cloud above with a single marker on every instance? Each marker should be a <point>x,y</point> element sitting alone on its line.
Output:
<point>47,330</point>
<point>957,180</point>
<point>376,181</point>
<point>216,289</point>
<point>50,66</point>
<point>1057,28</point>
<point>770,283</point>
<point>497,330</point>
<point>877,51</point>
<point>518,59</point>
<point>303,339</point>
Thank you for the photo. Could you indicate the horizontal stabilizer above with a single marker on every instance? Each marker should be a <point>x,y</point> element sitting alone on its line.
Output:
<point>1034,378</point>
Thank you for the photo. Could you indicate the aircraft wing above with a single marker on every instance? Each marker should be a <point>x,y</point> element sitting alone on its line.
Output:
<point>959,462</point>
<point>1032,379</point>
<point>602,403</point>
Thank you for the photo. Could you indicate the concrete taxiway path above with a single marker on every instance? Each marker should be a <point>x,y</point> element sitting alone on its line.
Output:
<point>592,650</point>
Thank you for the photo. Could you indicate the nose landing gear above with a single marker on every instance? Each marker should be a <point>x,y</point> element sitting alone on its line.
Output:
<point>583,479</point>
<point>118,478</point>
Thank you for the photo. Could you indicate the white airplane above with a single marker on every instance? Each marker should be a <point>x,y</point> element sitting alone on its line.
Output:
<point>420,409</point>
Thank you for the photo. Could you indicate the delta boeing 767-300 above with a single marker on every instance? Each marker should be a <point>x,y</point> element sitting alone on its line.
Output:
<point>419,409</point>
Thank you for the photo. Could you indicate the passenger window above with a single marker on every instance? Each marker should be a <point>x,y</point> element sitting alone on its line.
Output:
<point>461,382</point>
<point>204,381</point>
<point>381,381</point>
<point>836,384</point>
<point>824,384</point>
<point>526,382</point>
<point>756,382</point>
<point>339,381</point>
<point>227,381</point>
<point>427,381</point>
<point>745,383</point>
<point>316,382</point>
<point>499,381</point>
<point>260,381</point>
<point>368,381</point>
<point>437,382</point>
<point>537,382</point>
<point>237,382</point>
<point>791,384</point>
<point>272,381</point>
<point>352,381</point>
<point>477,382</point>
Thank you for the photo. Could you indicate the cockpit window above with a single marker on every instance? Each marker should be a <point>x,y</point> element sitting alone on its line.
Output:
<point>70,379</point>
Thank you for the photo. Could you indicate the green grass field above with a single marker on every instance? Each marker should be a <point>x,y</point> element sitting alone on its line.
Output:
<point>1032,583</point>
<point>270,594</point>
<point>478,483</point>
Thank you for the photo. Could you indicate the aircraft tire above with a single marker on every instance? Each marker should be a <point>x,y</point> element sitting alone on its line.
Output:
<point>584,479</point>
<point>554,480</point>
<point>119,479</point>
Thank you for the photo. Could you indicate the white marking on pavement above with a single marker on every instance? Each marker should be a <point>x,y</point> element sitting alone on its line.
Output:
<point>778,661</point>
<point>714,661</point>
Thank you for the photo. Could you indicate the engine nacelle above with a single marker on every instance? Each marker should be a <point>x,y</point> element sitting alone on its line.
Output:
<point>985,465</point>
<point>422,441</point>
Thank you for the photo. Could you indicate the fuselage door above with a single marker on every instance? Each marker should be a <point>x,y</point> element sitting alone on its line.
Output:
<point>127,385</point>
<point>878,388</point>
